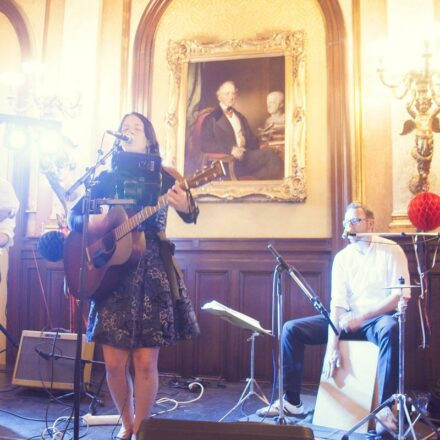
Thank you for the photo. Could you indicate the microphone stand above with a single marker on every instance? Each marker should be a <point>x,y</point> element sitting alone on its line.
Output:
<point>87,180</point>
<point>282,267</point>
<point>312,297</point>
<point>90,171</point>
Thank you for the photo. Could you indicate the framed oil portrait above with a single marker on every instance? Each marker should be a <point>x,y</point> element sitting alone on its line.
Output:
<point>260,137</point>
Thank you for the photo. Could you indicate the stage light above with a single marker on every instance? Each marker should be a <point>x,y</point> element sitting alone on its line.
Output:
<point>17,138</point>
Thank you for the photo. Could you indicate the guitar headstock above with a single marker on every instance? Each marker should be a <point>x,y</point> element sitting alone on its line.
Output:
<point>206,175</point>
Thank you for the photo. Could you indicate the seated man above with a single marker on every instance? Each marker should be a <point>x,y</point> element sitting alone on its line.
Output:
<point>227,131</point>
<point>361,308</point>
<point>8,209</point>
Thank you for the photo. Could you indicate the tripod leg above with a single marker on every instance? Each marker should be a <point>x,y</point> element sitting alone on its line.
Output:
<point>8,336</point>
<point>244,395</point>
<point>368,418</point>
<point>260,393</point>
<point>235,407</point>
<point>435,430</point>
<point>95,400</point>
<point>402,403</point>
<point>247,389</point>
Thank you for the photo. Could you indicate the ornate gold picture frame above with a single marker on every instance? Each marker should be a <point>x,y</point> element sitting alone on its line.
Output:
<point>257,67</point>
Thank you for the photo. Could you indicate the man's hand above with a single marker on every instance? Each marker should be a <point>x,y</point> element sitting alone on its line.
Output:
<point>350,321</point>
<point>177,198</point>
<point>332,360</point>
<point>237,152</point>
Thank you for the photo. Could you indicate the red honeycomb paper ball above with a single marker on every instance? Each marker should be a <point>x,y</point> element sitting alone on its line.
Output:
<point>424,211</point>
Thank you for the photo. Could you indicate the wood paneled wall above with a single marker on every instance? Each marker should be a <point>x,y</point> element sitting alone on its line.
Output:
<point>237,273</point>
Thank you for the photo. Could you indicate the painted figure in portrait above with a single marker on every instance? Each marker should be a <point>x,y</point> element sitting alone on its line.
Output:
<point>223,122</point>
<point>226,130</point>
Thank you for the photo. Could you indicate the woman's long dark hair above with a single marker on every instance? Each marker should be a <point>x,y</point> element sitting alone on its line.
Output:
<point>152,144</point>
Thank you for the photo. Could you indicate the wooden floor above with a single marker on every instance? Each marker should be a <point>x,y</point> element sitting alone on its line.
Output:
<point>25,413</point>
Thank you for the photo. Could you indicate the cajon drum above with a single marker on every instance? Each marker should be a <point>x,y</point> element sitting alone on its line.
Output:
<point>346,398</point>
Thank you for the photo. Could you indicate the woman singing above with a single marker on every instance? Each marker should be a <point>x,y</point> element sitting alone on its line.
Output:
<point>148,306</point>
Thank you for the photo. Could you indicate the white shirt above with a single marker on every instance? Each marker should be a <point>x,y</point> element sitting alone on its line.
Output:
<point>359,279</point>
<point>236,124</point>
<point>8,208</point>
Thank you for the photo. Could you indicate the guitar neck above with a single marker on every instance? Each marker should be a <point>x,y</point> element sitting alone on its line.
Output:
<point>199,178</point>
<point>138,218</point>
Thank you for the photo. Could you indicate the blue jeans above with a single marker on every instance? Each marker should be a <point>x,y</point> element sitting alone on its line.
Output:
<point>383,331</point>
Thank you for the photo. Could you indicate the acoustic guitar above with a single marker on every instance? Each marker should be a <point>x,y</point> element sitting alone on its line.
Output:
<point>112,245</point>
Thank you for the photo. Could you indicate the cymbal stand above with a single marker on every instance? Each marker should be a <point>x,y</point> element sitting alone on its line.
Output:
<point>251,383</point>
<point>400,398</point>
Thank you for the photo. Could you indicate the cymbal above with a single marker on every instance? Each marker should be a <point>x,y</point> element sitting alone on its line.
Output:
<point>402,286</point>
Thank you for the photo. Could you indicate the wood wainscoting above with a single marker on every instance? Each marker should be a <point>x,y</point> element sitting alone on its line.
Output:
<point>239,274</point>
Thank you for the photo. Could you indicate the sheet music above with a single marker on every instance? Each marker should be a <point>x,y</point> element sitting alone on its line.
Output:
<point>236,318</point>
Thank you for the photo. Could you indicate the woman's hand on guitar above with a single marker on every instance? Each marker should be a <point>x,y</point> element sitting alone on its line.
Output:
<point>178,199</point>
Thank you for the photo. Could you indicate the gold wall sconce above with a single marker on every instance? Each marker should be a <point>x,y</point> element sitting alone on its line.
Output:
<point>421,88</point>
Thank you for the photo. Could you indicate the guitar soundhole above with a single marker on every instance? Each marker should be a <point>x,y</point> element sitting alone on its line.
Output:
<point>103,254</point>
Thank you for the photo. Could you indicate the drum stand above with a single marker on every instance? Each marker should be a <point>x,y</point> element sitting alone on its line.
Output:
<point>400,398</point>
<point>252,388</point>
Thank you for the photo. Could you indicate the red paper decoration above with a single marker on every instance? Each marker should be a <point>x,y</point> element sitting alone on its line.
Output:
<point>424,211</point>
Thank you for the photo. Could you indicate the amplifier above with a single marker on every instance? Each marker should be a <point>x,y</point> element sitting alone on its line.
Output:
<point>47,360</point>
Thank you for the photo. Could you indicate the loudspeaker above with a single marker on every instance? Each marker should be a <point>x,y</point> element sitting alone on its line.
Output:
<point>191,430</point>
<point>47,360</point>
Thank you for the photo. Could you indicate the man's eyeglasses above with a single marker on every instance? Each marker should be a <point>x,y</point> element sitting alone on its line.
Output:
<point>353,221</point>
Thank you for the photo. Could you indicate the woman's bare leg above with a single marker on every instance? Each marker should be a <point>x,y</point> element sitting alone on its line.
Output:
<point>120,383</point>
<point>146,382</point>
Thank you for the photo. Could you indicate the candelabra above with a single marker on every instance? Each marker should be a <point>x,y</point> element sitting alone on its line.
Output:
<point>421,88</point>
<point>30,93</point>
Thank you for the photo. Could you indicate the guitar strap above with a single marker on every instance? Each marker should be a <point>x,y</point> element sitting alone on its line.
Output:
<point>172,268</point>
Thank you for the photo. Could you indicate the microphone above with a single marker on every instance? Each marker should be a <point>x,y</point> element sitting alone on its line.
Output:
<point>47,356</point>
<point>122,137</point>
<point>44,355</point>
<point>347,234</point>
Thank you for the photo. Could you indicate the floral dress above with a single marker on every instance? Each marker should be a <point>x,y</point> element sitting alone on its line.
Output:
<point>142,310</point>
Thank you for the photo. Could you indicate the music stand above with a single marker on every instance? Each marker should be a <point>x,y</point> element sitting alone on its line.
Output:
<point>246,322</point>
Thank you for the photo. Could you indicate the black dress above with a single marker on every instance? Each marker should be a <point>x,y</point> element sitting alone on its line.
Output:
<point>142,310</point>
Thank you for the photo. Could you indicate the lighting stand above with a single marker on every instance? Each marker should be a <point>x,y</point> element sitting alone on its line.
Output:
<point>251,383</point>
